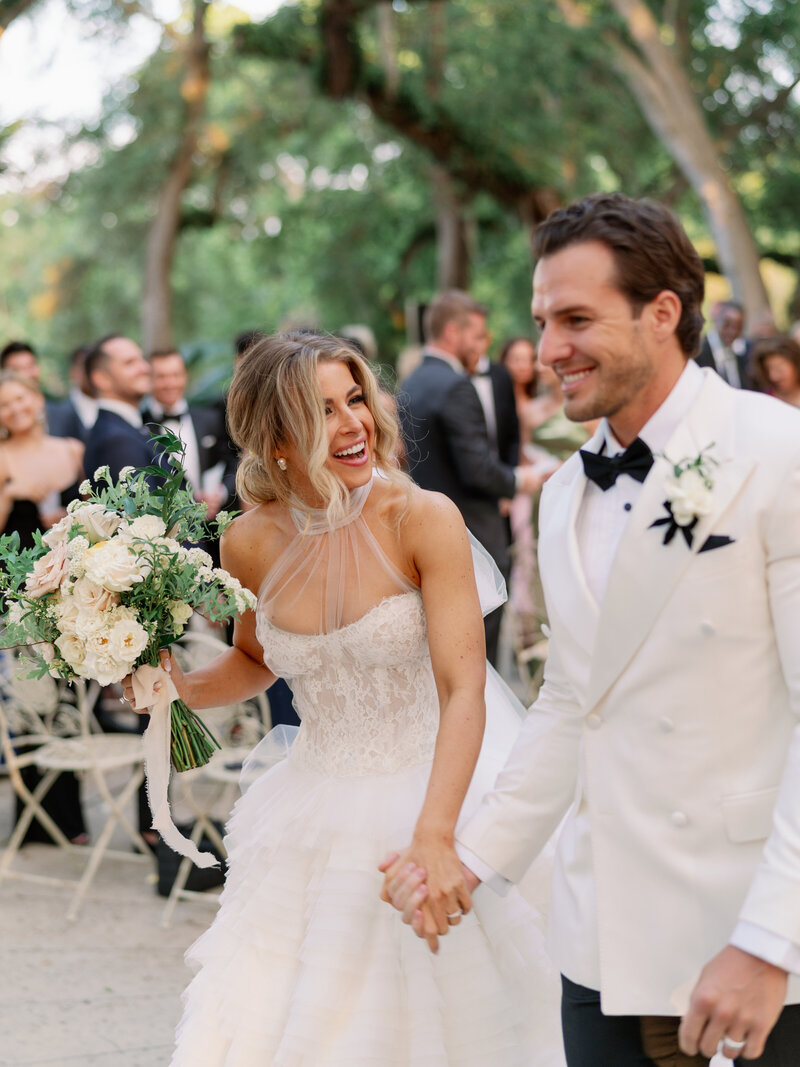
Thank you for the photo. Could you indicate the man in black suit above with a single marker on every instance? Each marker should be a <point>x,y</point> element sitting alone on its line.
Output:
<point>724,348</point>
<point>75,415</point>
<point>200,428</point>
<point>120,377</point>
<point>446,435</point>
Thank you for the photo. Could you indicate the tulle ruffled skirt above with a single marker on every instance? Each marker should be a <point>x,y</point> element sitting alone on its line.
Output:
<point>304,965</point>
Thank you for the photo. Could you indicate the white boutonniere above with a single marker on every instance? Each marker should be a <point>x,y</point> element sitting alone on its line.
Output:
<point>690,495</point>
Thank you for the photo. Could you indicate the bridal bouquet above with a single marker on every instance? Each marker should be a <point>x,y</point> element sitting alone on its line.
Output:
<point>112,583</point>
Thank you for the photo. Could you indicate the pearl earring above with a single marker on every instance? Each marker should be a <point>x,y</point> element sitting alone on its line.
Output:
<point>282,463</point>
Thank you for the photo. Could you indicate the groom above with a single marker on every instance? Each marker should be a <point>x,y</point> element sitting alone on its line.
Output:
<point>666,734</point>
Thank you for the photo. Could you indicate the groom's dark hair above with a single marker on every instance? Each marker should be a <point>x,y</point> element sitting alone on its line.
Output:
<point>650,248</point>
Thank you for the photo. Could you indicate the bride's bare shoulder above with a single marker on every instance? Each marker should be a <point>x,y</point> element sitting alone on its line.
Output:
<point>253,541</point>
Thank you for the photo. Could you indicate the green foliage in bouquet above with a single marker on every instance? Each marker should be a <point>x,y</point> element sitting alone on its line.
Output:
<point>116,580</point>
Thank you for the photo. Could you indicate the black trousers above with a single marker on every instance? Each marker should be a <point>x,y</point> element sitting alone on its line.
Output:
<point>592,1039</point>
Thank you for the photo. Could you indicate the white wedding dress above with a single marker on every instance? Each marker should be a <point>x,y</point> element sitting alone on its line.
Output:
<point>304,965</point>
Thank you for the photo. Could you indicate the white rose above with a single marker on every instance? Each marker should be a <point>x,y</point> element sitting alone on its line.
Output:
<point>689,497</point>
<point>67,612</point>
<point>180,612</point>
<point>101,668</point>
<point>97,523</point>
<point>127,640</point>
<point>48,571</point>
<point>72,649</point>
<point>147,527</point>
<point>114,565</point>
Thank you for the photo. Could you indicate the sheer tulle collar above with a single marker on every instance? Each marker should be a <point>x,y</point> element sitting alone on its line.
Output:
<point>315,520</point>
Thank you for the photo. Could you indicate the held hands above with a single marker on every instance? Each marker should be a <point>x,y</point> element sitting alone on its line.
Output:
<point>738,997</point>
<point>430,886</point>
<point>170,665</point>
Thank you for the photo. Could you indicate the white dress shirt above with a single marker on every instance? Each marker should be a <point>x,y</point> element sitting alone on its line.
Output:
<point>600,524</point>
<point>179,420</point>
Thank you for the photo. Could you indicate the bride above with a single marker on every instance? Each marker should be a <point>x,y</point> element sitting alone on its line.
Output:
<point>367,605</point>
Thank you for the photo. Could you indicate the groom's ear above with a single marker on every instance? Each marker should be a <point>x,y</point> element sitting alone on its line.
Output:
<point>663,314</point>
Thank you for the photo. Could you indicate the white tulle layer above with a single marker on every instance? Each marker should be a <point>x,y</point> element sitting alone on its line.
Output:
<point>304,966</point>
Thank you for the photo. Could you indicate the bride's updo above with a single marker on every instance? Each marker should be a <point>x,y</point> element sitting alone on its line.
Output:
<point>275,398</point>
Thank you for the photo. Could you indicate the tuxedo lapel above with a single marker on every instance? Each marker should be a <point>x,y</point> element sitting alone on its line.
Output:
<point>645,571</point>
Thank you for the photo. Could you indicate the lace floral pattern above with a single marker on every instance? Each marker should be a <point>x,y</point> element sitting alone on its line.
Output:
<point>365,692</point>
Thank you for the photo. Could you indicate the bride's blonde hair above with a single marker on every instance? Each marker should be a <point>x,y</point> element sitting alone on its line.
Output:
<point>275,398</point>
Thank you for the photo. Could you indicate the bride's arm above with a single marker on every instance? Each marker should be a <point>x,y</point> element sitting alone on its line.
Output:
<point>442,556</point>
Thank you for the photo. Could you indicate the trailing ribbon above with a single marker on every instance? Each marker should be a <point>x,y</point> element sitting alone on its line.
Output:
<point>157,758</point>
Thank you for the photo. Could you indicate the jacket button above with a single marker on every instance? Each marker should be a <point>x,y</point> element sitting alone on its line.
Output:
<point>665,725</point>
<point>594,721</point>
<point>679,819</point>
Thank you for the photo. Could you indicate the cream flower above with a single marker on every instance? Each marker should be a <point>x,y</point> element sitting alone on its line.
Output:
<point>114,565</point>
<point>48,571</point>
<point>127,640</point>
<point>72,650</point>
<point>199,558</point>
<point>180,612</point>
<point>89,596</point>
<point>58,532</point>
<point>689,497</point>
<point>147,527</point>
<point>97,523</point>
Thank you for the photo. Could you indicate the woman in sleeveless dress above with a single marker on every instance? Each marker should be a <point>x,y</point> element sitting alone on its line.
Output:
<point>35,470</point>
<point>367,606</point>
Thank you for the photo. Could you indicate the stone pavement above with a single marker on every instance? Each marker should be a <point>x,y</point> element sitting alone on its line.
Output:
<point>103,991</point>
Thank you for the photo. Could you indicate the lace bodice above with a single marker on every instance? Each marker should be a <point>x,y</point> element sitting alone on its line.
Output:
<point>365,692</point>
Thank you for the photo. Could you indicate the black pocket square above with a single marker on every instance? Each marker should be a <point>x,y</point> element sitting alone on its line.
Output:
<point>715,541</point>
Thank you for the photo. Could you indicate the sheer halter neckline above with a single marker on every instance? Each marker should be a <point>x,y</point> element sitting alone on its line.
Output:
<point>315,520</point>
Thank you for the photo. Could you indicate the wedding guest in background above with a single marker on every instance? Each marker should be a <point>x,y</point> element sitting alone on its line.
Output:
<point>723,347</point>
<point>35,469</point>
<point>777,363</point>
<point>120,377</point>
<point>794,331</point>
<point>199,428</point>
<point>75,415</point>
<point>20,357</point>
<point>446,435</point>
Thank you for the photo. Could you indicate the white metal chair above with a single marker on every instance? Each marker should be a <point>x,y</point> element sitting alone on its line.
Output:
<point>215,787</point>
<point>41,726</point>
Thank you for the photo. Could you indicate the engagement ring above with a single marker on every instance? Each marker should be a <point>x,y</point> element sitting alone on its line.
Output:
<point>455,915</point>
<point>733,1046</point>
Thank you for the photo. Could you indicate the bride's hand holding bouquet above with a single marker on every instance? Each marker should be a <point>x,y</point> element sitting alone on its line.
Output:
<point>111,585</point>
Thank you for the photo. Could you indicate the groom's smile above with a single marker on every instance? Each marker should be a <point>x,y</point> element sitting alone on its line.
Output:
<point>612,359</point>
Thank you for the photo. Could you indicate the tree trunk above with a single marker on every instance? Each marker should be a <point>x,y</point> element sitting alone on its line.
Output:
<point>663,92</point>
<point>452,239</point>
<point>160,252</point>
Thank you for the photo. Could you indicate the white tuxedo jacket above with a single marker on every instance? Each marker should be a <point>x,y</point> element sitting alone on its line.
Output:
<point>668,723</point>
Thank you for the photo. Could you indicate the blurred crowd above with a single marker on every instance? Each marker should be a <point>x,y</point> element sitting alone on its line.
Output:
<point>482,423</point>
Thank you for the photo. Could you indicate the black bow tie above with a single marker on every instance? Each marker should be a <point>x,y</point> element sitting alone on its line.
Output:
<point>636,460</point>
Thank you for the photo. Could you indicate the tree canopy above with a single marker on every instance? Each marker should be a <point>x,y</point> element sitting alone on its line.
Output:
<point>325,153</point>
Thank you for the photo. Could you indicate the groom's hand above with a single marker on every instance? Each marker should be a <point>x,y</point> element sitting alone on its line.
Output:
<point>404,887</point>
<point>737,996</point>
